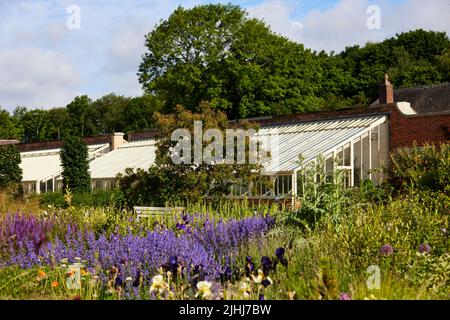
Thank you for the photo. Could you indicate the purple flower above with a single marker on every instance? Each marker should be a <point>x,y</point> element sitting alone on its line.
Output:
<point>345,296</point>
<point>173,260</point>
<point>208,249</point>
<point>118,282</point>
<point>261,297</point>
<point>181,226</point>
<point>265,261</point>
<point>424,248</point>
<point>386,250</point>
<point>266,265</point>
<point>249,268</point>
<point>280,253</point>
<point>137,280</point>
<point>265,283</point>
<point>226,275</point>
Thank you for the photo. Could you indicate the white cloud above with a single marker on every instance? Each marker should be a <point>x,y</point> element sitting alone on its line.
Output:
<point>345,23</point>
<point>276,13</point>
<point>40,78</point>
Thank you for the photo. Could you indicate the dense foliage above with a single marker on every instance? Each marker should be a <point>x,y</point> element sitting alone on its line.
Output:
<point>167,182</point>
<point>75,163</point>
<point>10,171</point>
<point>217,53</point>
<point>425,168</point>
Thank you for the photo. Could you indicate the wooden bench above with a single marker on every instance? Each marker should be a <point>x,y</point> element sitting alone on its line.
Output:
<point>154,211</point>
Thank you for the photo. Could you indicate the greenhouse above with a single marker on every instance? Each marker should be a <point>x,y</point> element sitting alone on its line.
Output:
<point>41,170</point>
<point>355,146</point>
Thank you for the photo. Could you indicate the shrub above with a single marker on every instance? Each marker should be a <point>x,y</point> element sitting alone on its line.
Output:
<point>423,168</point>
<point>96,198</point>
<point>74,160</point>
<point>320,193</point>
<point>10,171</point>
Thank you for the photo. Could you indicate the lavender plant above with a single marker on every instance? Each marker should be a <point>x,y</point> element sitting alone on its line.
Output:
<point>209,246</point>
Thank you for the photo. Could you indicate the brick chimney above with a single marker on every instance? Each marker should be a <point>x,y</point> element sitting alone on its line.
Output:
<point>117,140</point>
<point>386,92</point>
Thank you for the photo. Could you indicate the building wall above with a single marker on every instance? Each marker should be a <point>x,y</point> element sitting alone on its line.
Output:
<point>405,130</point>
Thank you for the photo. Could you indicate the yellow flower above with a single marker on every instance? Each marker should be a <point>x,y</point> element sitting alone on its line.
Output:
<point>259,278</point>
<point>158,284</point>
<point>245,289</point>
<point>204,289</point>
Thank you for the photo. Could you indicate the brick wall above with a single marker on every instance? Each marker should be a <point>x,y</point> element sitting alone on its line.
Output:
<point>55,144</point>
<point>141,135</point>
<point>405,130</point>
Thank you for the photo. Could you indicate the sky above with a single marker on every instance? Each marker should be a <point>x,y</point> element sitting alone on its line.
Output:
<point>48,56</point>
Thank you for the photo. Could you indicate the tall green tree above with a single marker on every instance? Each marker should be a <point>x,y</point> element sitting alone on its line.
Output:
<point>138,114</point>
<point>411,58</point>
<point>216,53</point>
<point>35,125</point>
<point>10,171</point>
<point>107,114</point>
<point>78,111</point>
<point>9,127</point>
<point>58,119</point>
<point>75,163</point>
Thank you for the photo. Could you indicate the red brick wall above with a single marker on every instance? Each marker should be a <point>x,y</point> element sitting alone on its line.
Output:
<point>55,144</point>
<point>140,135</point>
<point>405,130</point>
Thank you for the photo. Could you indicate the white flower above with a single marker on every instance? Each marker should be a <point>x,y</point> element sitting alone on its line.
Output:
<point>158,284</point>
<point>259,278</point>
<point>129,279</point>
<point>245,289</point>
<point>204,289</point>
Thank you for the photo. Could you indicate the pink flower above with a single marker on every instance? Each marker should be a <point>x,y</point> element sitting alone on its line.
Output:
<point>345,296</point>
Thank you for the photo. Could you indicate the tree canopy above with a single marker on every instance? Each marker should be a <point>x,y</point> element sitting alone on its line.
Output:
<point>216,53</point>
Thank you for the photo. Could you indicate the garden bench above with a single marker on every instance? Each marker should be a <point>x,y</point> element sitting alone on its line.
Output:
<point>153,211</point>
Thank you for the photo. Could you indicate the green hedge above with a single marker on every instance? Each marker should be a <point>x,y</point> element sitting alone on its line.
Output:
<point>97,198</point>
